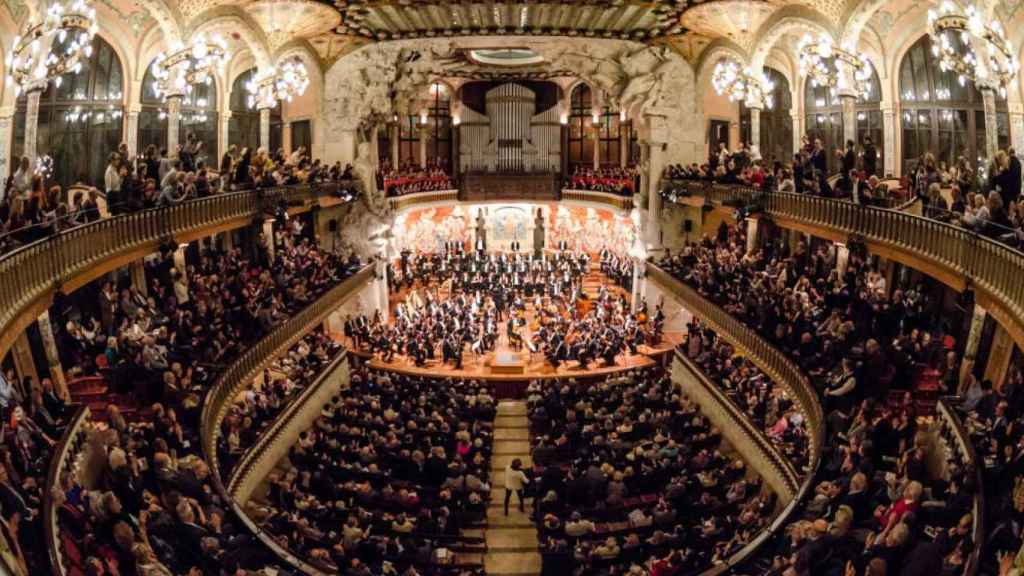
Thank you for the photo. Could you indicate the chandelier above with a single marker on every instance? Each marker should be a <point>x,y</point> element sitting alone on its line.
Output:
<point>966,46</point>
<point>826,64</point>
<point>176,73</point>
<point>65,34</point>
<point>741,84</point>
<point>281,85</point>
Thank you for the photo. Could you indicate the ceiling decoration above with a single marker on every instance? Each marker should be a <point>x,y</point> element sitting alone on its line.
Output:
<point>400,19</point>
<point>284,20</point>
<point>736,20</point>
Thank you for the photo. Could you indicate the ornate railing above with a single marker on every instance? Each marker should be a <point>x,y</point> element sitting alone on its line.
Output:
<point>251,456</point>
<point>31,272</point>
<point>399,203</point>
<point>241,373</point>
<point>617,201</point>
<point>777,366</point>
<point>773,362</point>
<point>953,254</point>
<point>947,417</point>
<point>769,453</point>
<point>66,456</point>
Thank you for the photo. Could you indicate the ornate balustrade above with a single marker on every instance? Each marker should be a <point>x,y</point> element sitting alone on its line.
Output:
<point>959,442</point>
<point>777,366</point>
<point>959,257</point>
<point>67,459</point>
<point>233,380</point>
<point>399,203</point>
<point>616,201</point>
<point>68,260</point>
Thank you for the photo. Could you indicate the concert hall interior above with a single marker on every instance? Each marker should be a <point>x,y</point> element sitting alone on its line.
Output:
<point>511,288</point>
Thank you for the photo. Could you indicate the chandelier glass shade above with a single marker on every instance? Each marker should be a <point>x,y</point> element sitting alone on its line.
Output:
<point>186,66</point>
<point>831,66</point>
<point>288,80</point>
<point>739,83</point>
<point>56,46</point>
<point>969,48</point>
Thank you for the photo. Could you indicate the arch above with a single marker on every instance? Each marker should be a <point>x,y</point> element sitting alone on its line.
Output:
<point>938,114</point>
<point>244,124</point>
<point>823,117</point>
<point>789,19</point>
<point>199,113</point>
<point>250,34</point>
<point>857,17</point>
<point>84,117</point>
<point>166,21</point>
<point>709,57</point>
<point>776,127</point>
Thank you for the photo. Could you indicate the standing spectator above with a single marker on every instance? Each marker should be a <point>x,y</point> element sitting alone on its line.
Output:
<point>515,481</point>
<point>112,183</point>
<point>870,157</point>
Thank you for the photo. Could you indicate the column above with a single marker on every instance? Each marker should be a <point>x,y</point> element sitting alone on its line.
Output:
<point>52,356</point>
<point>381,281</point>
<point>423,146</point>
<point>32,123</point>
<point>24,364</point>
<point>173,125</point>
<point>889,139</point>
<point>396,135</point>
<point>6,136</point>
<point>848,100</point>
<point>999,356</point>
<point>1016,127</point>
<point>268,238</point>
<point>224,129</point>
<point>137,269</point>
<point>988,98</point>
<point>755,127</point>
<point>624,129</point>
<point>180,263</point>
<point>753,224</point>
<point>595,130</point>
<point>798,132</point>
<point>131,129</point>
<point>656,164</point>
<point>842,258</point>
<point>973,339</point>
<point>265,129</point>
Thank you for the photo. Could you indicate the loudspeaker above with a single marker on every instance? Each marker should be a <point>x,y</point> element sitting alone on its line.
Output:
<point>332,225</point>
<point>688,226</point>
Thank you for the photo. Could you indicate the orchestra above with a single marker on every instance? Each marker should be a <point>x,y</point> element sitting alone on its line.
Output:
<point>462,301</point>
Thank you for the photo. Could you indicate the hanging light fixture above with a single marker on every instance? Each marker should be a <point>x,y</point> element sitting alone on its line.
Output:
<point>53,47</point>
<point>186,66</point>
<point>828,65</point>
<point>289,80</point>
<point>731,79</point>
<point>968,47</point>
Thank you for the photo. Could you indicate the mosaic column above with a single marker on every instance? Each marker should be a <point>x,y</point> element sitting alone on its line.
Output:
<point>265,129</point>
<point>755,128</point>
<point>889,137</point>
<point>6,135</point>
<point>988,98</point>
<point>173,125</point>
<point>32,123</point>
<point>131,129</point>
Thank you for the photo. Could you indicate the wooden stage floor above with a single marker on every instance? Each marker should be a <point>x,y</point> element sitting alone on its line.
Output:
<point>533,366</point>
<point>537,367</point>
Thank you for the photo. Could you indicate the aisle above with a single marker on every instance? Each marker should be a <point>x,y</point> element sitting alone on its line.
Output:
<point>511,540</point>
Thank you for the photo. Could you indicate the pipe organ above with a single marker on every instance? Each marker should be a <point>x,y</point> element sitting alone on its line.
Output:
<point>511,137</point>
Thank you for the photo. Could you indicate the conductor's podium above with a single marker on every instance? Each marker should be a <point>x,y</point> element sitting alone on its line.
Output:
<point>508,363</point>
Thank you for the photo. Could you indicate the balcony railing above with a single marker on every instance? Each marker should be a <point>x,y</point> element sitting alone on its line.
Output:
<point>617,201</point>
<point>240,374</point>
<point>29,273</point>
<point>66,457</point>
<point>956,255</point>
<point>962,446</point>
<point>779,368</point>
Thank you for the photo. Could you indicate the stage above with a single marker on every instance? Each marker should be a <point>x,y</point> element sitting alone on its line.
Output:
<point>510,370</point>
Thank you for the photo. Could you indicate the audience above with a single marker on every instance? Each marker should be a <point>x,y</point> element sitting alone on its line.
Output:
<point>614,179</point>
<point>411,178</point>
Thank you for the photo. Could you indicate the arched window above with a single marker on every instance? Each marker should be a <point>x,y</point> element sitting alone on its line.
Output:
<point>244,126</point>
<point>80,121</point>
<point>776,123</point>
<point>824,117</point>
<point>939,114</point>
<point>439,127</point>
<point>409,141</point>
<point>198,116</point>
<point>581,146</point>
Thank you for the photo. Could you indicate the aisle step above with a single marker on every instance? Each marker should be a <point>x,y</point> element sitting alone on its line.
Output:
<point>511,422</point>
<point>502,447</point>
<point>511,434</point>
